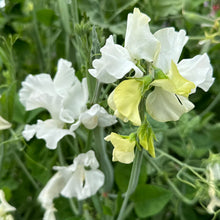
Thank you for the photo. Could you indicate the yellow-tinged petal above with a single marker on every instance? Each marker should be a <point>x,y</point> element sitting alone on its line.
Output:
<point>175,83</point>
<point>123,148</point>
<point>111,104</point>
<point>127,96</point>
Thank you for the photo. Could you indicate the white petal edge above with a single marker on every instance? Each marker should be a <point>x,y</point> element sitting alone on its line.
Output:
<point>197,70</point>
<point>139,41</point>
<point>75,102</point>
<point>172,43</point>
<point>4,205</point>
<point>97,116</point>
<point>4,124</point>
<point>35,86</point>
<point>114,63</point>
<point>50,130</point>
<point>164,106</point>
<point>65,77</point>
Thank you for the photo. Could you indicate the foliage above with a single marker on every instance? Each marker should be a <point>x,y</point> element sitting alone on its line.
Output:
<point>34,35</point>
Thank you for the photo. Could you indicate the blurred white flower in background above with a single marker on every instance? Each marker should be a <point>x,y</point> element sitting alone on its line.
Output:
<point>213,175</point>
<point>5,207</point>
<point>2,3</point>
<point>81,180</point>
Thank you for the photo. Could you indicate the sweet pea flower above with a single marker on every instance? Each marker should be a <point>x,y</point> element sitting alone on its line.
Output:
<point>96,116</point>
<point>123,148</point>
<point>169,100</point>
<point>116,61</point>
<point>81,179</point>
<point>2,3</point>
<point>64,97</point>
<point>5,207</point>
<point>4,124</point>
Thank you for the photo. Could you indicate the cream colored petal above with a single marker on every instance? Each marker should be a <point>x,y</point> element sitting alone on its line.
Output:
<point>175,83</point>
<point>127,96</point>
<point>123,157</point>
<point>4,124</point>
<point>123,148</point>
<point>172,43</point>
<point>139,41</point>
<point>197,70</point>
<point>164,106</point>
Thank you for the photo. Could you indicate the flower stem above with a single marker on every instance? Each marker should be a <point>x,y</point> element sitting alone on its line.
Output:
<point>20,163</point>
<point>106,166</point>
<point>133,181</point>
<point>212,105</point>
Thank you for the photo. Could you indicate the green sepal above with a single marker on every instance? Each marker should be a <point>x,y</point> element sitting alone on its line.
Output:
<point>159,74</point>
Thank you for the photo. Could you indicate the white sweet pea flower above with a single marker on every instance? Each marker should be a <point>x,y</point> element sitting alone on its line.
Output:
<point>5,207</point>
<point>97,116</point>
<point>64,97</point>
<point>169,100</point>
<point>116,61</point>
<point>213,175</point>
<point>82,179</point>
<point>4,124</point>
<point>2,3</point>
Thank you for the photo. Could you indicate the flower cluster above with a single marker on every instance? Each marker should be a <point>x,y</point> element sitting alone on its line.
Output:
<point>65,98</point>
<point>160,81</point>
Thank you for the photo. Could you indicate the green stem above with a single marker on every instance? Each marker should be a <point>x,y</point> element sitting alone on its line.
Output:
<point>133,181</point>
<point>179,162</point>
<point>175,189</point>
<point>38,41</point>
<point>20,163</point>
<point>211,106</point>
<point>1,153</point>
<point>106,166</point>
<point>179,194</point>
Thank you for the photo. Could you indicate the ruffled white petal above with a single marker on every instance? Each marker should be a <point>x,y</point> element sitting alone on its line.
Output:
<point>33,87</point>
<point>172,43</point>
<point>97,116</point>
<point>75,101</point>
<point>4,124</point>
<point>139,41</point>
<point>164,106</point>
<point>197,70</point>
<point>86,159</point>
<point>50,130</point>
<point>65,77</point>
<point>86,182</point>
<point>114,63</point>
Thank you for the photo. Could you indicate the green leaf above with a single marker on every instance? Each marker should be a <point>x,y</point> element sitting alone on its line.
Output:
<point>195,18</point>
<point>150,199</point>
<point>45,16</point>
<point>165,8</point>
